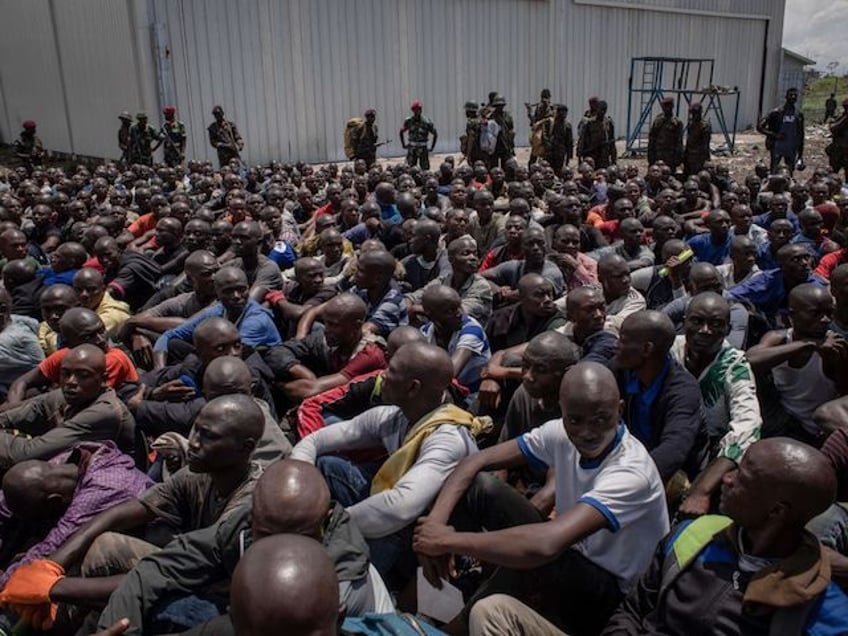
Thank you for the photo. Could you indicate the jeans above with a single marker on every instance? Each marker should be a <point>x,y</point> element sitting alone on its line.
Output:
<point>349,484</point>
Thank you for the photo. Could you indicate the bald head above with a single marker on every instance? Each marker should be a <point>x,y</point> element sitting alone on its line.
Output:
<point>215,337</point>
<point>553,349</point>
<point>405,334</point>
<point>80,325</point>
<point>349,307</point>
<point>290,496</point>
<point>199,260</point>
<point>529,282</point>
<point>645,336</point>
<point>227,375</point>
<point>229,276</point>
<point>285,580</point>
<point>38,490</point>
<point>704,277</point>
<point>592,382</point>
<point>240,414</point>
<point>418,373</point>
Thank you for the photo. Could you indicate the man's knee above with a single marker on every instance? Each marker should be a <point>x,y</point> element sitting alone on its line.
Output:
<point>502,614</point>
<point>114,553</point>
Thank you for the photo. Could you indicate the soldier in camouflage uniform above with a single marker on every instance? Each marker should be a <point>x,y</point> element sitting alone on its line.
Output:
<point>174,137</point>
<point>143,141</point>
<point>224,137</point>
<point>365,139</point>
<point>28,147</point>
<point>469,143</point>
<point>665,139</point>
<point>597,138</point>
<point>124,136</point>
<point>538,112</point>
<point>419,128</point>
<point>558,139</point>
<point>837,150</point>
<point>698,135</point>
<point>505,148</point>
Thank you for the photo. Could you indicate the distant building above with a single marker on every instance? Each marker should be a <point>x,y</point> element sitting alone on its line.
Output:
<point>291,72</point>
<point>792,74</point>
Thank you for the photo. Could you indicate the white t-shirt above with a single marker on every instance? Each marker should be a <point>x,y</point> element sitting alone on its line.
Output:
<point>623,485</point>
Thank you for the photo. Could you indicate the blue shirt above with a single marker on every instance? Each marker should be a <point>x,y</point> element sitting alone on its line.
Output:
<point>708,252</point>
<point>767,293</point>
<point>766,260</point>
<point>255,324</point>
<point>640,423</point>
<point>469,336</point>
<point>765,220</point>
<point>49,277</point>
<point>387,313</point>
<point>390,214</point>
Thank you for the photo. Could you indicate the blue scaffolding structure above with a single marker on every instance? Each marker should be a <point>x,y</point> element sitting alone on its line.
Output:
<point>687,80</point>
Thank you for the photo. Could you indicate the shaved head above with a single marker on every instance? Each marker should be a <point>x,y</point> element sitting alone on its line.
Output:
<point>290,496</point>
<point>285,580</point>
<point>227,375</point>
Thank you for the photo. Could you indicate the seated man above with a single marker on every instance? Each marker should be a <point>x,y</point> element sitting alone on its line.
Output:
<point>54,303</point>
<point>714,246</point>
<point>534,313</point>
<point>255,323</point>
<point>65,261</point>
<point>20,350</point>
<point>460,335</point>
<point>586,310</point>
<point>306,291</point>
<point>504,277</point>
<point>610,508</point>
<point>289,497</point>
<point>262,273</point>
<point>754,555</point>
<point>384,304</point>
<point>422,266</point>
<point>84,408</point>
<point>660,284</point>
<point>662,401</point>
<point>728,391</point>
<point>620,296</point>
<point>743,262</point>
<point>705,277</point>
<point>475,291</point>
<point>768,292</point>
<point>130,276</point>
<point>631,249</point>
<point>217,482</point>
<point>804,365</point>
<point>426,439</point>
<point>92,294</point>
<point>331,357</point>
<point>50,501</point>
<point>78,326</point>
<point>578,269</point>
<point>142,329</point>
<point>285,579</point>
<point>360,394</point>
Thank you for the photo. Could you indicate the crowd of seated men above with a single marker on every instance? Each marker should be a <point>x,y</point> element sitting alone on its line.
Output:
<point>261,400</point>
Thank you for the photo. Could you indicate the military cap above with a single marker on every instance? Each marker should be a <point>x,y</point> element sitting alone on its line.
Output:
<point>169,110</point>
<point>695,106</point>
<point>141,115</point>
<point>499,101</point>
<point>416,105</point>
<point>668,100</point>
<point>125,116</point>
<point>562,108</point>
<point>471,106</point>
<point>370,111</point>
<point>217,109</point>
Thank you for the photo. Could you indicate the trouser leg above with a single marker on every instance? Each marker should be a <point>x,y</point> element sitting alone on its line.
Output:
<point>502,615</point>
<point>114,553</point>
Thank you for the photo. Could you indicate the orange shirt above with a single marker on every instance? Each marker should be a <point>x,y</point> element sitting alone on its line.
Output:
<point>143,224</point>
<point>119,368</point>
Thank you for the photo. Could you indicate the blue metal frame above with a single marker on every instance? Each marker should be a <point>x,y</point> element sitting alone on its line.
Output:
<point>654,87</point>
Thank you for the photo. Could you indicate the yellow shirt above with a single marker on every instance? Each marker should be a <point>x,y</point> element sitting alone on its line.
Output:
<point>47,338</point>
<point>113,313</point>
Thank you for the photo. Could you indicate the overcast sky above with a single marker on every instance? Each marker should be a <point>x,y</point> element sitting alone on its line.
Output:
<point>817,29</point>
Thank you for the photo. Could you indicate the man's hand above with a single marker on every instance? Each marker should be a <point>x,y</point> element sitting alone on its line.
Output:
<point>429,537</point>
<point>173,391</point>
<point>116,628</point>
<point>142,350</point>
<point>30,584</point>
<point>695,504</point>
<point>834,353</point>
<point>135,401</point>
<point>489,394</point>
<point>437,569</point>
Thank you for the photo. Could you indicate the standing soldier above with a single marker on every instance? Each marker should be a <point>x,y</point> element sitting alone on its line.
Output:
<point>124,137</point>
<point>540,110</point>
<point>469,143</point>
<point>143,141</point>
<point>597,139</point>
<point>364,139</point>
<point>225,138</point>
<point>28,147</point>
<point>558,139</point>
<point>419,128</point>
<point>698,135</point>
<point>505,146</point>
<point>665,140</point>
<point>784,131</point>
<point>174,137</point>
<point>588,115</point>
<point>837,150</point>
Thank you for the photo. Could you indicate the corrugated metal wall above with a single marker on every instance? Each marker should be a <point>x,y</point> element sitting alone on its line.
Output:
<point>290,72</point>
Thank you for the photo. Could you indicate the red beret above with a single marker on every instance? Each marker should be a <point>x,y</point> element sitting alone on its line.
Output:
<point>29,124</point>
<point>370,111</point>
<point>695,106</point>
<point>169,110</point>
<point>668,100</point>
<point>594,100</point>
<point>416,105</point>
